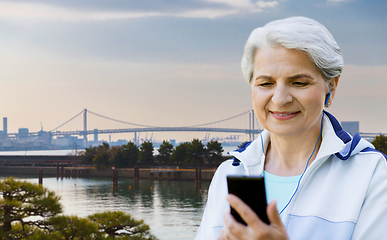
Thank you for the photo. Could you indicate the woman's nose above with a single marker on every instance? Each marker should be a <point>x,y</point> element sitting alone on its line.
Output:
<point>281,96</point>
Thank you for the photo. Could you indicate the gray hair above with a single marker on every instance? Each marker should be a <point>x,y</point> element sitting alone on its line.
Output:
<point>298,33</point>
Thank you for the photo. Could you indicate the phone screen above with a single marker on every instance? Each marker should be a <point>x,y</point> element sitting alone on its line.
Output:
<point>252,191</point>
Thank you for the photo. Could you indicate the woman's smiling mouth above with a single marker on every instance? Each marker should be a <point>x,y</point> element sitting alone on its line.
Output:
<point>284,115</point>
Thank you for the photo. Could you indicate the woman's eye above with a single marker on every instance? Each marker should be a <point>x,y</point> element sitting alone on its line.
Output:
<point>266,84</point>
<point>300,84</point>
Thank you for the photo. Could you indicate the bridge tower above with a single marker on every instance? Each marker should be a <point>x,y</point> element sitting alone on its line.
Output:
<point>85,128</point>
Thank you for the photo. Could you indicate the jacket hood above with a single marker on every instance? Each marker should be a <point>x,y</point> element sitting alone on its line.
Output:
<point>334,141</point>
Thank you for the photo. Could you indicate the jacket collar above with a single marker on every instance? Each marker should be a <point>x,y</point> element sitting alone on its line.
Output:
<point>334,141</point>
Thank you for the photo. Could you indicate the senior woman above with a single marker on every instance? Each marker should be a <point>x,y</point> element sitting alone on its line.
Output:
<point>321,182</point>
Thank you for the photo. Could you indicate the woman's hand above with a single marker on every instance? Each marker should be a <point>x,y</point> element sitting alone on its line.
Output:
<point>255,229</point>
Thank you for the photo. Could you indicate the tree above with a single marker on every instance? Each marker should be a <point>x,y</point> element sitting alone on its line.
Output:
<point>380,143</point>
<point>165,151</point>
<point>196,152</point>
<point>88,155</point>
<point>21,199</point>
<point>146,153</point>
<point>101,160</point>
<point>71,227</point>
<point>120,224</point>
<point>214,152</point>
<point>130,152</point>
<point>116,157</point>
<point>180,153</point>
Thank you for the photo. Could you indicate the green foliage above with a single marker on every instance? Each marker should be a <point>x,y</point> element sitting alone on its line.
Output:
<point>116,157</point>
<point>120,224</point>
<point>101,161</point>
<point>214,152</point>
<point>146,153</point>
<point>72,227</point>
<point>130,153</point>
<point>196,152</point>
<point>380,143</point>
<point>88,155</point>
<point>26,232</point>
<point>103,156</point>
<point>180,153</point>
<point>22,200</point>
<point>165,151</point>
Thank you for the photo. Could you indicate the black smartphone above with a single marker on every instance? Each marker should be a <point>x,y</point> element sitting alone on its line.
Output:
<point>252,191</point>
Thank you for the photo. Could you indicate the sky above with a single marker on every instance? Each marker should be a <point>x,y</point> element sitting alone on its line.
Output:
<point>169,62</point>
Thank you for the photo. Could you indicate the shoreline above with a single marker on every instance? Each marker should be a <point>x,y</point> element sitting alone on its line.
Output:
<point>143,173</point>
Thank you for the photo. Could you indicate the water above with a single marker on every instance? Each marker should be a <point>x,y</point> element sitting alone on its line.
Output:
<point>63,152</point>
<point>172,209</point>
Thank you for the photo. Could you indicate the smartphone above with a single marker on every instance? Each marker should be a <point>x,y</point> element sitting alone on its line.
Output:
<point>251,189</point>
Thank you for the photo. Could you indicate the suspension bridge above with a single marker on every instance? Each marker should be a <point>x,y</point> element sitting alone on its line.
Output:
<point>243,123</point>
<point>240,123</point>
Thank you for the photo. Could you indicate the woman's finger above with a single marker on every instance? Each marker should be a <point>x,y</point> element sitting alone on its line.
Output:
<point>226,235</point>
<point>246,213</point>
<point>273,214</point>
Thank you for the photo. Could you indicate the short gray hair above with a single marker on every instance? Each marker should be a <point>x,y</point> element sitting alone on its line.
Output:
<point>298,33</point>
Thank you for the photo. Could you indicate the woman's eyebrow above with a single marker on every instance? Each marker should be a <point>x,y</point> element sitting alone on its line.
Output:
<point>264,77</point>
<point>297,76</point>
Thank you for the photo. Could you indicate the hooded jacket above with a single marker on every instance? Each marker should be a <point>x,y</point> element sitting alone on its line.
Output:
<point>342,195</point>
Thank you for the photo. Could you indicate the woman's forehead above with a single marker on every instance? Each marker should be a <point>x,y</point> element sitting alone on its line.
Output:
<point>282,61</point>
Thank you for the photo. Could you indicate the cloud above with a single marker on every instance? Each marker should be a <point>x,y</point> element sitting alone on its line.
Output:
<point>246,5</point>
<point>48,12</point>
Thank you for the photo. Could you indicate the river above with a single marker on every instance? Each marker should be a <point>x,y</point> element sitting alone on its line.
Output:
<point>172,209</point>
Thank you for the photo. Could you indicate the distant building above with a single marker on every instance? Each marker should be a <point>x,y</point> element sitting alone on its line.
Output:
<point>23,134</point>
<point>121,142</point>
<point>44,137</point>
<point>68,141</point>
<point>4,133</point>
<point>5,126</point>
<point>96,136</point>
<point>352,127</point>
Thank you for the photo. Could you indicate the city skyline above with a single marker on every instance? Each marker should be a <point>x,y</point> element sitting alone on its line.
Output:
<point>169,63</point>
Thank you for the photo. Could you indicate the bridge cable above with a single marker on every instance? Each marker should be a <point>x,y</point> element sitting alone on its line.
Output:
<point>112,119</point>
<point>67,121</point>
<point>221,120</point>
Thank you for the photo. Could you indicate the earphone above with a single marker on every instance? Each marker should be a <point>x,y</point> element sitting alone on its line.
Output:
<point>327,97</point>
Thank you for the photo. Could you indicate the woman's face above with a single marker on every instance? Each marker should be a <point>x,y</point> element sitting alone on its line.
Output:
<point>288,92</point>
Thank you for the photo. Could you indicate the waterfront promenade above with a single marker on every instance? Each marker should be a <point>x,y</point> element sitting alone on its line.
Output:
<point>126,173</point>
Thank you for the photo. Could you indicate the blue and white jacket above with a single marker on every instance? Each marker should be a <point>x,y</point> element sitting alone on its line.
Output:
<point>342,195</point>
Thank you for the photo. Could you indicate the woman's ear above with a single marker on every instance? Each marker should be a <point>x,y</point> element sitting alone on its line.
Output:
<point>332,87</point>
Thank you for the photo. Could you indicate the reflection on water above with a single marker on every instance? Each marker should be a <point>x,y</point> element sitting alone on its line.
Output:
<point>172,209</point>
